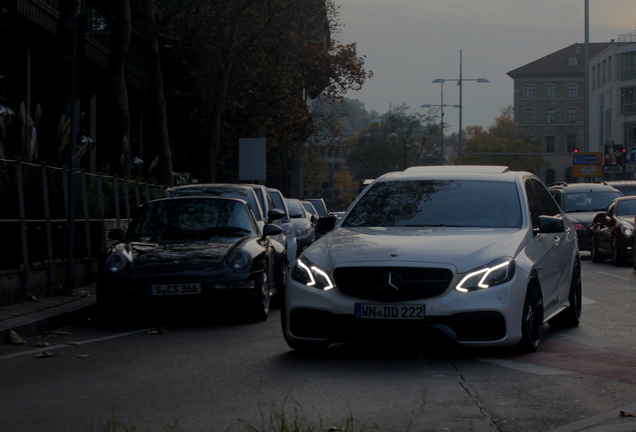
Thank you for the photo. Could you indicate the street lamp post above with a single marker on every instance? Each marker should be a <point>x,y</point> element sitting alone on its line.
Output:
<point>442,105</point>
<point>459,83</point>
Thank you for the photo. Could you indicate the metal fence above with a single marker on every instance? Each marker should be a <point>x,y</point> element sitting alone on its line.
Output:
<point>34,215</point>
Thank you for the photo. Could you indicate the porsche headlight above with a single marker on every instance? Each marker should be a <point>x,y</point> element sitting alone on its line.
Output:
<point>497,272</point>
<point>311,275</point>
<point>302,231</point>
<point>116,262</point>
<point>238,259</point>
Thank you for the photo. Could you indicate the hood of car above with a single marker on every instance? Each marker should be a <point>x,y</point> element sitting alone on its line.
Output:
<point>582,217</point>
<point>173,256</point>
<point>464,248</point>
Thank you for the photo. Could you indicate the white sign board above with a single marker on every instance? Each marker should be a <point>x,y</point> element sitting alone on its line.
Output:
<point>252,159</point>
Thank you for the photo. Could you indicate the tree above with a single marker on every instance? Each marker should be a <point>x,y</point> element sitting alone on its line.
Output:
<point>255,64</point>
<point>499,146</point>
<point>316,169</point>
<point>346,187</point>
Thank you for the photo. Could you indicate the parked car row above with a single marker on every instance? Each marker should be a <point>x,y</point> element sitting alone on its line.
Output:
<point>206,244</point>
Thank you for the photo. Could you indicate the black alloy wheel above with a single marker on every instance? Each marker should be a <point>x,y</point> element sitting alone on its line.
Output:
<point>532,318</point>
<point>571,317</point>
<point>260,306</point>
<point>597,256</point>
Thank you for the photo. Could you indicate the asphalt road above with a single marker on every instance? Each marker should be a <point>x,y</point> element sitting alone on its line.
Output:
<point>229,375</point>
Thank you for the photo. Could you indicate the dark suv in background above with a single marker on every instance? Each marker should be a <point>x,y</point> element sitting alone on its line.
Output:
<point>580,202</point>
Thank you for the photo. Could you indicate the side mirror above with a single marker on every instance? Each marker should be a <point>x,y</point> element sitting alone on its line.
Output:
<point>116,234</point>
<point>275,214</point>
<point>271,230</point>
<point>550,224</point>
<point>326,223</point>
<point>313,219</point>
<point>295,214</point>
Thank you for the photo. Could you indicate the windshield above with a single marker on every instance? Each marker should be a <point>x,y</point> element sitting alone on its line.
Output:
<point>278,201</point>
<point>183,217</point>
<point>424,203</point>
<point>246,193</point>
<point>588,201</point>
<point>295,205</point>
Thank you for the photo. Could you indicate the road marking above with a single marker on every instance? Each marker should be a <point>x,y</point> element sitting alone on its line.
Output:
<point>614,275</point>
<point>532,368</point>
<point>57,347</point>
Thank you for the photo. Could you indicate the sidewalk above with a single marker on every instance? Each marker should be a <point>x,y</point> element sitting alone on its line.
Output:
<point>33,317</point>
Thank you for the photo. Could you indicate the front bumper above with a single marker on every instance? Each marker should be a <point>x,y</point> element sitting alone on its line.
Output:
<point>490,317</point>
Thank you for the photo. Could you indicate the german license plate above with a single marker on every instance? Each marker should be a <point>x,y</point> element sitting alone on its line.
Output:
<point>401,312</point>
<point>175,289</point>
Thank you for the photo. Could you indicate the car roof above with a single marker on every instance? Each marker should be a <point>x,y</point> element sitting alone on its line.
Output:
<point>455,172</point>
<point>583,187</point>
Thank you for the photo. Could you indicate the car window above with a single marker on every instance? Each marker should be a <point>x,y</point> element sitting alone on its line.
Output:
<point>185,217</point>
<point>626,208</point>
<point>280,204</point>
<point>550,207</point>
<point>438,203</point>
<point>244,193</point>
<point>295,205</point>
<point>588,201</point>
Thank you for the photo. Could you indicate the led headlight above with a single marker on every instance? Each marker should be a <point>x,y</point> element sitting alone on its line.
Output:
<point>311,275</point>
<point>116,262</point>
<point>626,230</point>
<point>238,259</point>
<point>497,272</point>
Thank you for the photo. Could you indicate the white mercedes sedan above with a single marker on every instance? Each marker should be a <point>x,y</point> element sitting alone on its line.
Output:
<point>475,255</point>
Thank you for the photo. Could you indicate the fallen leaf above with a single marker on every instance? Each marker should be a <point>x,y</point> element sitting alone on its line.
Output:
<point>84,356</point>
<point>40,344</point>
<point>72,343</point>
<point>627,414</point>
<point>63,332</point>
<point>154,332</point>
<point>45,354</point>
<point>15,338</point>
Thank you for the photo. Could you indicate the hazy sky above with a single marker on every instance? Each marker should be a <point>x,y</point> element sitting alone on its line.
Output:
<point>409,43</point>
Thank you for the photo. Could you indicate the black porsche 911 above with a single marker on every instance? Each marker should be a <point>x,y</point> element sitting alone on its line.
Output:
<point>191,251</point>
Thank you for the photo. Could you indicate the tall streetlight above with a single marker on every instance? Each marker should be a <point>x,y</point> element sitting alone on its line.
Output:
<point>459,83</point>
<point>441,105</point>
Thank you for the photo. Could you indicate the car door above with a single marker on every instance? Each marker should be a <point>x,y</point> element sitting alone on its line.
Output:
<point>552,252</point>
<point>606,223</point>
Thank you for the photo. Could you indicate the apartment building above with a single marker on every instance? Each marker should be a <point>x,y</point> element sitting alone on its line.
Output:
<point>613,104</point>
<point>549,106</point>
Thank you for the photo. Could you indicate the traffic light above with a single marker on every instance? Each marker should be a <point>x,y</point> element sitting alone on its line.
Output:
<point>576,150</point>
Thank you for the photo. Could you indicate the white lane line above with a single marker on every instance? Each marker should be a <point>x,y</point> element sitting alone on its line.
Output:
<point>57,347</point>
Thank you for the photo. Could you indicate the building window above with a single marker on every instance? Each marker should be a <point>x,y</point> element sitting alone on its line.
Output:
<point>592,79</point>
<point>572,62</point>
<point>609,69</point>
<point>571,143</point>
<point>628,100</point>
<point>550,115</point>
<point>604,73</point>
<point>529,91</point>
<point>529,119</point>
<point>549,176</point>
<point>550,90</point>
<point>571,90</point>
<point>571,115</point>
<point>549,144</point>
<point>627,66</point>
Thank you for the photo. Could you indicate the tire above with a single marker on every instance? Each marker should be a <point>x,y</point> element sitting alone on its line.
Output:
<point>597,256</point>
<point>532,318</point>
<point>571,317</point>
<point>634,258</point>
<point>281,285</point>
<point>617,259</point>
<point>260,306</point>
